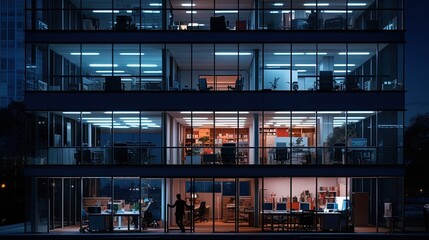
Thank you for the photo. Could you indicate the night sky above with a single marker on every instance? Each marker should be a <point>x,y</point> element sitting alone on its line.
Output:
<point>417,57</point>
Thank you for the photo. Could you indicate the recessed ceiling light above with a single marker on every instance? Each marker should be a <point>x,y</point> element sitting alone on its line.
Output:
<point>188,4</point>
<point>155,4</point>
<point>105,11</point>
<point>142,65</point>
<point>152,71</point>
<point>305,65</point>
<point>84,54</point>
<point>233,53</point>
<point>341,71</point>
<point>337,11</point>
<point>109,71</point>
<point>313,53</point>
<point>356,4</point>
<point>102,65</point>
<point>287,54</point>
<point>278,4</point>
<point>131,54</point>
<point>151,11</point>
<point>76,113</point>
<point>345,65</point>
<point>314,4</point>
<point>191,12</point>
<point>277,64</point>
<point>353,53</point>
<point>226,11</point>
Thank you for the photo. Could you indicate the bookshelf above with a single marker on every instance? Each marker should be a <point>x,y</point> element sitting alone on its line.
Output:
<point>326,195</point>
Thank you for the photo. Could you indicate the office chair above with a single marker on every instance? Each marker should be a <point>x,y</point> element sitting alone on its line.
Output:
<point>281,155</point>
<point>123,22</point>
<point>306,221</point>
<point>200,214</point>
<point>202,84</point>
<point>238,85</point>
<point>218,23</point>
<point>84,226</point>
<point>228,152</point>
<point>83,156</point>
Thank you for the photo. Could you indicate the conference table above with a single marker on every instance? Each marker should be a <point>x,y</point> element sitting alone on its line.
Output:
<point>103,222</point>
<point>286,220</point>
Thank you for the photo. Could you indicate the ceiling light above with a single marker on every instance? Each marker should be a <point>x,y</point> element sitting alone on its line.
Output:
<point>155,4</point>
<point>329,112</point>
<point>314,4</point>
<point>361,112</point>
<point>151,11</point>
<point>105,11</point>
<point>132,118</point>
<point>305,65</point>
<point>84,54</point>
<point>131,54</point>
<point>233,53</point>
<point>274,11</point>
<point>109,71</point>
<point>313,53</point>
<point>102,65</point>
<point>277,64</point>
<point>353,53</point>
<point>188,4</point>
<point>337,11</point>
<point>231,112</point>
<point>356,4</point>
<point>191,12</point>
<point>76,113</point>
<point>345,65</point>
<point>142,65</point>
<point>278,4</point>
<point>152,71</point>
<point>301,70</point>
<point>189,112</point>
<point>123,112</point>
<point>95,118</point>
<point>341,71</point>
<point>226,11</point>
<point>286,53</point>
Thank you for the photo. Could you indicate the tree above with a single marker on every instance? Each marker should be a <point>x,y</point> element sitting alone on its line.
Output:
<point>416,151</point>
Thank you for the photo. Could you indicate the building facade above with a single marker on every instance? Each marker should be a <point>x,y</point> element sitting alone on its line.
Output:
<point>264,115</point>
<point>11,52</point>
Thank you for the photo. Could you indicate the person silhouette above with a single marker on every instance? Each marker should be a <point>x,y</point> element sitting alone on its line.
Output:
<point>180,205</point>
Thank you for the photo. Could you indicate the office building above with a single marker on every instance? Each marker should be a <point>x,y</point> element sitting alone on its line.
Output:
<point>264,115</point>
<point>11,52</point>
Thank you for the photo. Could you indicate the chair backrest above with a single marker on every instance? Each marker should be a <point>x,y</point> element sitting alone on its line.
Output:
<point>228,153</point>
<point>202,208</point>
<point>281,153</point>
<point>239,84</point>
<point>217,23</point>
<point>87,24</point>
<point>202,83</point>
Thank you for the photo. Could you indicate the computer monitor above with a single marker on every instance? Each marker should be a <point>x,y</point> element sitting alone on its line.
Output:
<point>331,206</point>
<point>94,209</point>
<point>281,206</point>
<point>268,206</point>
<point>304,206</point>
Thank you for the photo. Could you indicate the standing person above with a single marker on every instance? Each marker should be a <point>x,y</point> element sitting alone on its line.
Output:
<point>180,211</point>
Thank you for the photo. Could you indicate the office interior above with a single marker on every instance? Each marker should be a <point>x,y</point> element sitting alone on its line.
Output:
<point>215,15</point>
<point>215,138</point>
<point>215,67</point>
<point>138,204</point>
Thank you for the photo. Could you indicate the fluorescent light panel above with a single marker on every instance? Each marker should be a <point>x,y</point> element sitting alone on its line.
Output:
<point>277,64</point>
<point>356,4</point>
<point>233,53</point>
<point>188,4</point>
<point>85,54</point>
<point>152,71</point>
<point>226,11</point>
<point>131,54</point>
<point>142,65</point>
<point>76,113</point>
<point>353,53</point>
<point>103,65</point>
<point>345,65</point>
<point>316,4</point>
<point>105,11</point>
<point>109,71</point>
<point>278,4</point>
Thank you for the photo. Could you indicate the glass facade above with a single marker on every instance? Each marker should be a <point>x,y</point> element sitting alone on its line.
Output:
<point>11,52</point>
<point>265,116</point>
<point>215,15</point>
<point>226,67</point>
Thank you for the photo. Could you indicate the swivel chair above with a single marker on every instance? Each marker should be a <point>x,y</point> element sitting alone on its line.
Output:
<point>238,85</point>
<point>228,152</point>
<point>84,226</point>
<point>202,85</point>
<point>200,214</point>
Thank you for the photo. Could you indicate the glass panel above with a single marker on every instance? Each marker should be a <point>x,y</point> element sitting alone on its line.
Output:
<point>365,57</point>
<point>127,57</point>
<point>329,60</point>
<point>98,69</point>
<point>125,199</point>
<point>361,138</point>
<point>225,203</point>
<point>277,67</point>
<point>227,62</point>
<point>276,200</point>
<point>37,67</point>
<point>181,217</point>
<point>151,138</point>
<point>98,204</point>
<point>37,138</point>
<point>246,206</point>
<point>183,76</point>
<point>304,59</point>
<point>390,135</point>
<point>151,67</point>
<point>391,67</point>
<point>303,138</point>
<point>390,204</point>
<point>331,137</point>
<point>152,204</point>
<point>202,73</point>
<point>37,205</point>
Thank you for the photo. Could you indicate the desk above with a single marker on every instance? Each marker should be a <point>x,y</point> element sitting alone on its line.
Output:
<point>290,220</point>
<point>100,222</point>
<point>127,214</point>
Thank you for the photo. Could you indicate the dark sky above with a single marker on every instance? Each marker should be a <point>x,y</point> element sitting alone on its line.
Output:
<point>417,58</point>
